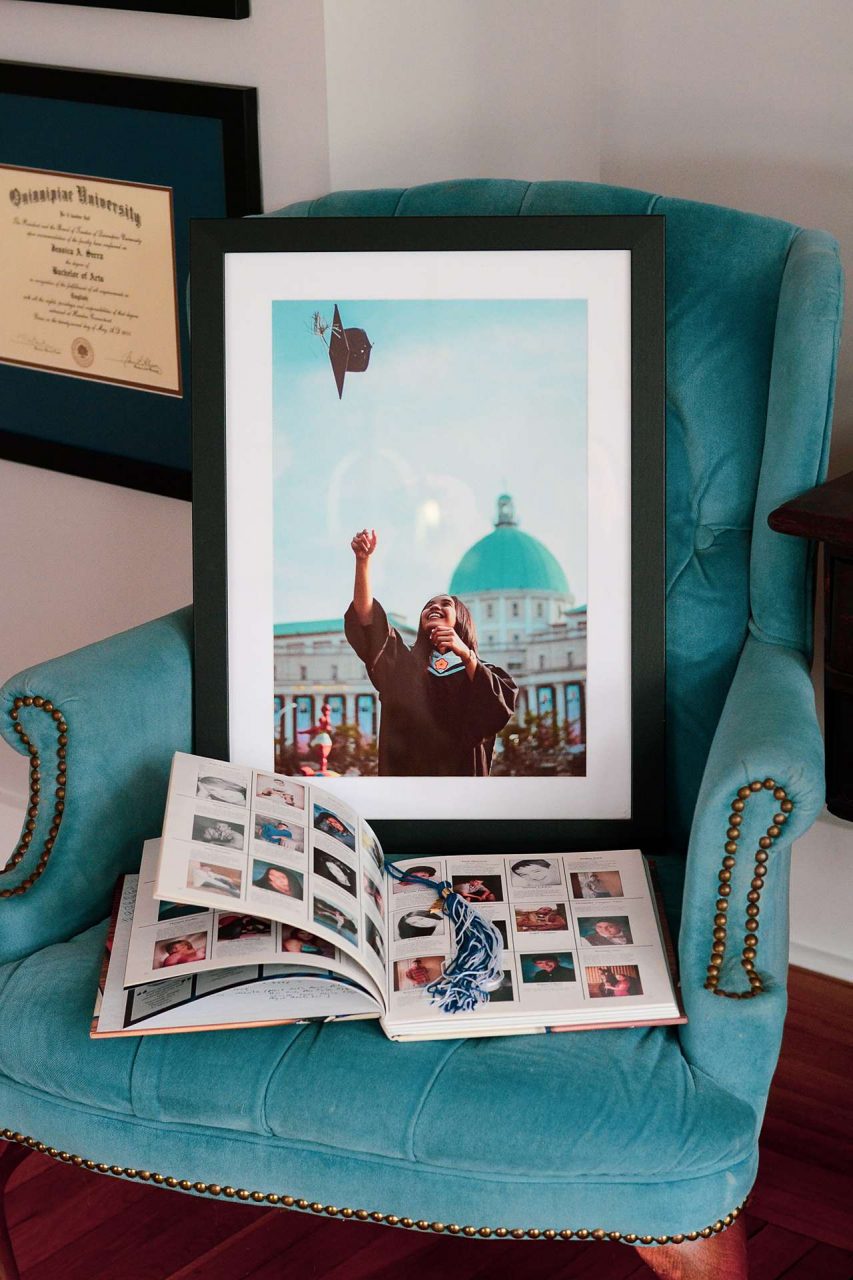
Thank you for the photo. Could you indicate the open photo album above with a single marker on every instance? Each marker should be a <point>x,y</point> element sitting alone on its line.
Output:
<point>267,901</point>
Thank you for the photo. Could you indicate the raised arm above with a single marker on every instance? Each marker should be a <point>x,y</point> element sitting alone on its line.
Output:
<point>363,545</point>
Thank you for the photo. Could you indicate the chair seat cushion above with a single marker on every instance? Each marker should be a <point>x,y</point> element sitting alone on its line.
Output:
<point>610,1105</point>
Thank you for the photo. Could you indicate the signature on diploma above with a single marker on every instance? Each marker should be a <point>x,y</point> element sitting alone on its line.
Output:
<point>143,364</point>
<point>37,344</point>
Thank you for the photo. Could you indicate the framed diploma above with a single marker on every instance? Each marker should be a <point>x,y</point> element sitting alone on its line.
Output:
<point>428,520</point>
<point>100,176</point>
<point>91,278</point>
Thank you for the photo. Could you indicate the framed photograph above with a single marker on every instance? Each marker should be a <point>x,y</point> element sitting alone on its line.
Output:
<point>190,8</point>
<point>429,523</point>
<point>100,175</point>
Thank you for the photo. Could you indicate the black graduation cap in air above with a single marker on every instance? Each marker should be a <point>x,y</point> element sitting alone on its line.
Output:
<point>349,351</point>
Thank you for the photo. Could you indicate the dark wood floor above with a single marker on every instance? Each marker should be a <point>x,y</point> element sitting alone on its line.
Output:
<point>71,1225</point>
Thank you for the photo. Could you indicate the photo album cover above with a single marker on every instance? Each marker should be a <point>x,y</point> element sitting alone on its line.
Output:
<point>267,901</point>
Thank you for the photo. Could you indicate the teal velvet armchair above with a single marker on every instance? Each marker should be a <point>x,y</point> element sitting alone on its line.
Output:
<point>647,1136</point>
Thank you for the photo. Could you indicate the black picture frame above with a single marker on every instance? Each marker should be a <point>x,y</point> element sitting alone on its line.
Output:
<point>121,435</point>
<point>188,8</point>
<point>643,237</point>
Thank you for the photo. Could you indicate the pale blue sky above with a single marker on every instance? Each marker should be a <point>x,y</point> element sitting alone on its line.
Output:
<point>462,400</point>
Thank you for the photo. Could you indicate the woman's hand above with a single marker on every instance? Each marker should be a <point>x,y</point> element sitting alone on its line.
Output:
<point>446,640</point>
<point>364,544</point>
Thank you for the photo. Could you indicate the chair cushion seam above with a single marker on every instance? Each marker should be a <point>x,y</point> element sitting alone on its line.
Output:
<point>448,1171</point>
<point>679,571</point>
<point>527,196</point>
<point>131,1093</point>
<point>427,1093</point>
<point>263,1107</point>
<point>14,966</point>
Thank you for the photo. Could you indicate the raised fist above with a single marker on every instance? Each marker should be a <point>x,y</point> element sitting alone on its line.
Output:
<point>364,544</point>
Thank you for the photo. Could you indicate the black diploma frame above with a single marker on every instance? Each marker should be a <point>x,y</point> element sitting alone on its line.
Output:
<point>130,129</point>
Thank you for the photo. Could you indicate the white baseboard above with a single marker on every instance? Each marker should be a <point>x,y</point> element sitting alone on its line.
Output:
<point>828,962</point>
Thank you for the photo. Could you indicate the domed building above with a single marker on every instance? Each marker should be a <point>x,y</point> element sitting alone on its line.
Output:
<point>527,622</point>
<point>526,618</point>
<point>510,581</point>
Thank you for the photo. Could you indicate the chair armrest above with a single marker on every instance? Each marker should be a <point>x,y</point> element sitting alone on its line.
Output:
<point>100,725</point>
<point>796,442</point>
<point>768,731</point>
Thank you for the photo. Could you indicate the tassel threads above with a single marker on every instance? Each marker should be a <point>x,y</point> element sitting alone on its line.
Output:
<point>475,968</point>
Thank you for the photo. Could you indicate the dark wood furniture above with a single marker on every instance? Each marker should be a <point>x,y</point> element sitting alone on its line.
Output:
<point>825,514</point>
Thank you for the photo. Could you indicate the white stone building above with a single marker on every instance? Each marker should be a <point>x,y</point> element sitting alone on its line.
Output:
<point>527,622</point>
<point>526,617</point>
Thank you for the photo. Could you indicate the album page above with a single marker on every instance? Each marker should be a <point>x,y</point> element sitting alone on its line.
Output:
<point>245,996</point>
<point>250,843</point>
<point>581,940</point>
<point>171,939</point>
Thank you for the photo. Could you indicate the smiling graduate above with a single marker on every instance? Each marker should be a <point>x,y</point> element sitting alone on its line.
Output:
<point>441,705</point>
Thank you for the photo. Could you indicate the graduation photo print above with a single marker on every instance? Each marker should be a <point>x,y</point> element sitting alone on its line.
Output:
<point>423,544</point>
<point>445,634</point>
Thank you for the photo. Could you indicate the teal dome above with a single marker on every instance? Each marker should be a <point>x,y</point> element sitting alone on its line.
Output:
<point>508,560</point>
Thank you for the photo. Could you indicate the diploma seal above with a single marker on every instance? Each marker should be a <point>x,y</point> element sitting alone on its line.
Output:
<point>83,352</point>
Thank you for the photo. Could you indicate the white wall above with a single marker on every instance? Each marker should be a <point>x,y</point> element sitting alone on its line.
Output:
<point>279,50</point>
<point>478,89</point>
<point>741,104</point>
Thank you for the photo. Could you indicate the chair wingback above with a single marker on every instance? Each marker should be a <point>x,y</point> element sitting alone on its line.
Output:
<point>752,326</point>
<point>100,726</point>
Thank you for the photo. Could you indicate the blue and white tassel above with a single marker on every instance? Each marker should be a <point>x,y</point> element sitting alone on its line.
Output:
<point>475,969</point>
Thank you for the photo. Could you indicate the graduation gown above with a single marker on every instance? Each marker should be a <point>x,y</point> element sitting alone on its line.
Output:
<point>430,726</point>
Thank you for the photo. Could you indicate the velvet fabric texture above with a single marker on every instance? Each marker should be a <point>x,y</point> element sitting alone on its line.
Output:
<point>546,1131</point>
<point>128,705</point>
<point>650,1131</point>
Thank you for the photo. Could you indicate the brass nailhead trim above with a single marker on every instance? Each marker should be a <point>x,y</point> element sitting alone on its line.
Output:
<point>750,941</point>
<point>43,704</point>
<point>362,1215</point>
